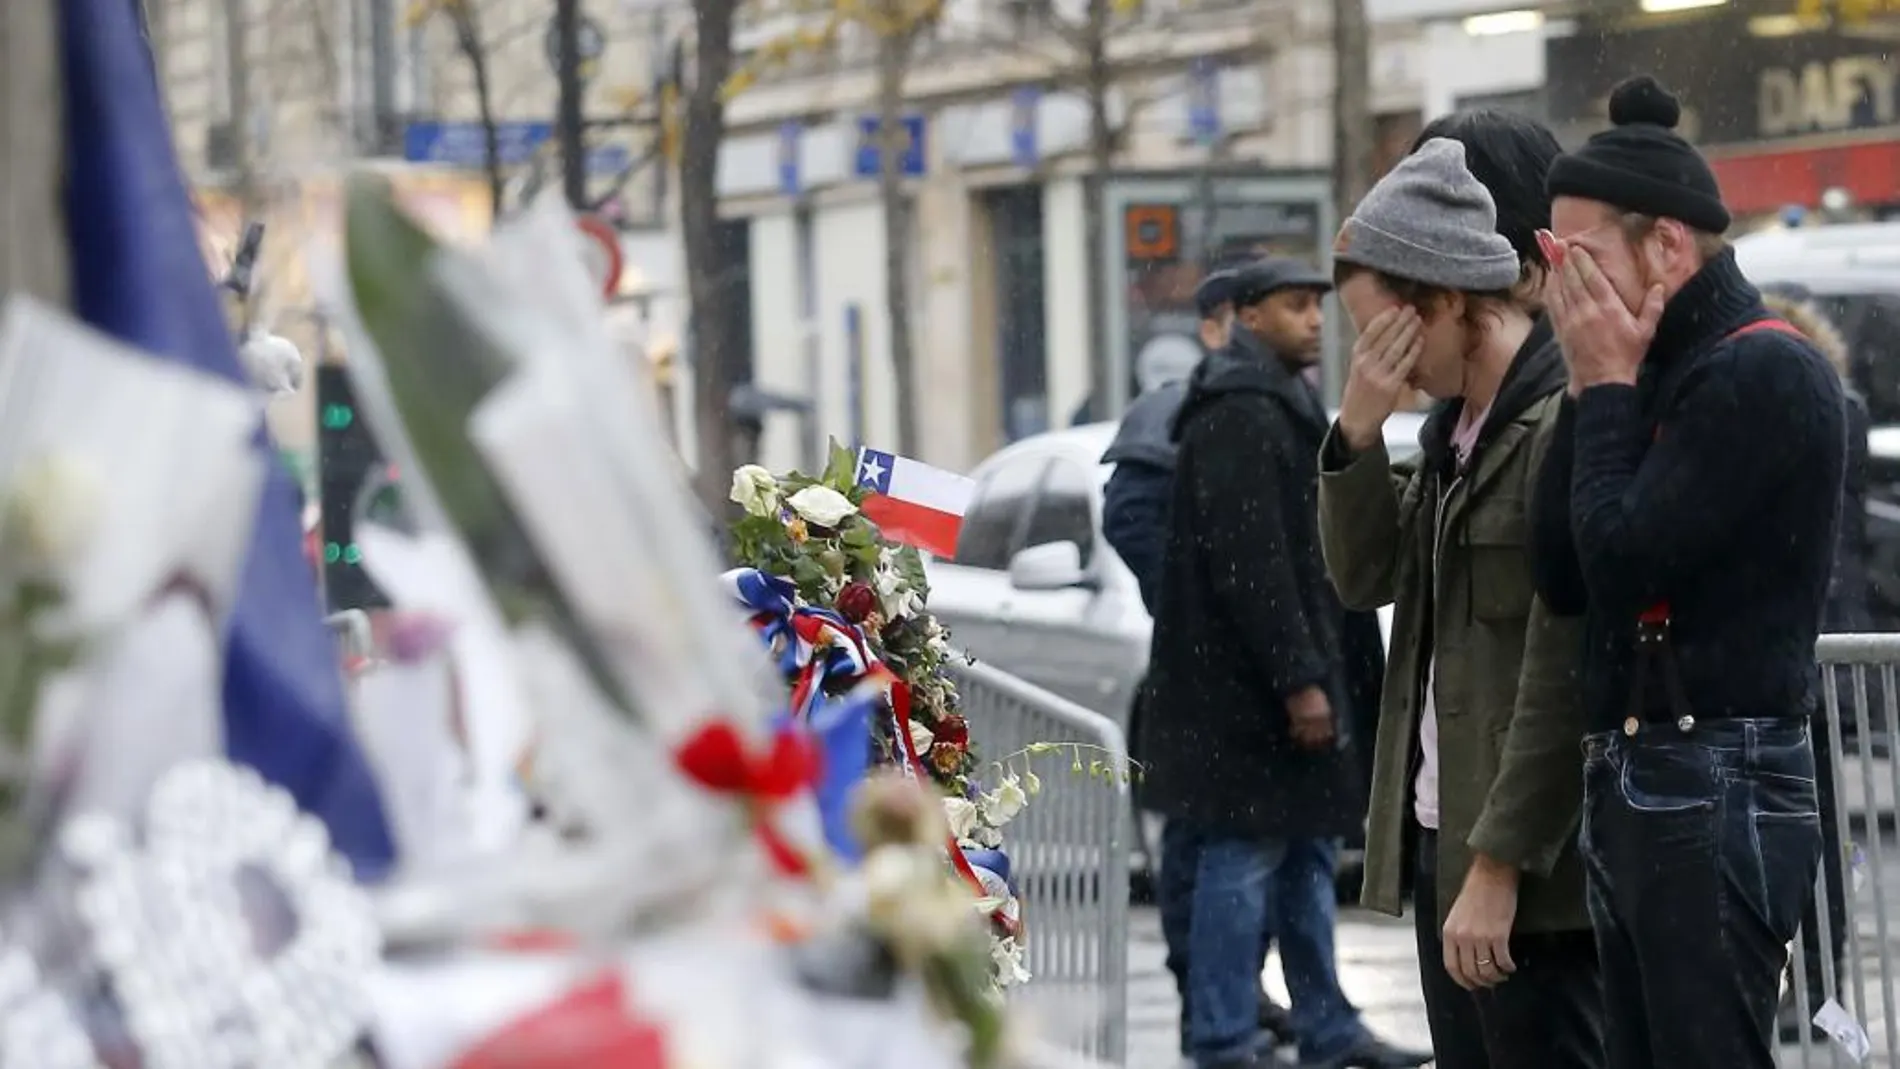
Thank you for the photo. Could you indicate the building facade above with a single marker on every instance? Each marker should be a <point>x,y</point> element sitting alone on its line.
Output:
<point>1223,131</point>
<point>1790,100</point>
<point>1219,111</point>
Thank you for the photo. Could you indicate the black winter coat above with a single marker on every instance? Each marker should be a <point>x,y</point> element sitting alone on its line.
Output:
<point>1247,616</point>
<point>1713,485</point>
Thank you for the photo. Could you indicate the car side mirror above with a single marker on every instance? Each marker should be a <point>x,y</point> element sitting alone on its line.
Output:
<point>1050,566</point>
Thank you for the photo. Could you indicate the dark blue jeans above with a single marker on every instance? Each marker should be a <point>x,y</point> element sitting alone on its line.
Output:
<point>1180,862</point>
<point>1220,916</point>
<point>1701,848</point>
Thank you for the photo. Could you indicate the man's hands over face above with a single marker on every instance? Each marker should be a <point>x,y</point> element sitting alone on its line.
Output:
<point>1477,932</point>
<point>1603,341</point>
<point>1382,361</point>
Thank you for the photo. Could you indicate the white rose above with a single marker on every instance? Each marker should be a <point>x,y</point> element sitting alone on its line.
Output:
<point>755,490</point>
<point>1001,805</point>
<point>892,593</point>
<point>53,511</point>
<point>1007,957</point>
<point>908,900</point>
<point>921,737</point>
<point>963,817</point>
<point>821,505</point>
<point>890,873</point>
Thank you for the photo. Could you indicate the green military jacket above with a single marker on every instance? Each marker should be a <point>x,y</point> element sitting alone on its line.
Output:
<point>1510,716</point>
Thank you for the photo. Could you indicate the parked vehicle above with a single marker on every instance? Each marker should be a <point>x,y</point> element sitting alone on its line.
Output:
<point>1853,274</point>
<point>1038,592</point>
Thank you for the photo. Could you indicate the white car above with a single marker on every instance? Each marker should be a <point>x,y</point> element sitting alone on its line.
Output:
<point>1037,591</point>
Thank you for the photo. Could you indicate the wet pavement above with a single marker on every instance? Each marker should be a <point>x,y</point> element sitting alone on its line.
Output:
<point>1379,970</point>
<point>1377,967</point>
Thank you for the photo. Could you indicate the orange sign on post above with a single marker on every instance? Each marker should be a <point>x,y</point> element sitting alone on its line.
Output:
<point>1152,232</point>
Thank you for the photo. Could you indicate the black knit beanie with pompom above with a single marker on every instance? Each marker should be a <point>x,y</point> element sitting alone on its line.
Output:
<point>1641,164</point>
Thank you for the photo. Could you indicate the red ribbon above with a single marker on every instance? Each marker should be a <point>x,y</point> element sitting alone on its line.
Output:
<point>590,1027</point>
<point>716,758</point>
<point>900,709</point>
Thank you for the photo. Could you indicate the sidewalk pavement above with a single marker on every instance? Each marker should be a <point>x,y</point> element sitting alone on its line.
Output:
<point>1377,967</point>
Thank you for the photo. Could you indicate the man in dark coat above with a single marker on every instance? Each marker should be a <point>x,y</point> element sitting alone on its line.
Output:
<point>1135,502</point>
<point>1688,508</point>
<point>1251,763</point>
<point>1135,522</point>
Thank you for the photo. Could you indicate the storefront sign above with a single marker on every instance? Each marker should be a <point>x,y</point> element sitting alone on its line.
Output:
<point>1736,88</point>
<point>1850,93</point>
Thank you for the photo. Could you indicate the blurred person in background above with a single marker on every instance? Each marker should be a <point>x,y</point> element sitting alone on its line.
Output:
<point>1135,502</point>
<point>1477,751</point>
<point>1250,766</point>
<point>1688,508</point>
<point>1846,612</point>
<point>1135,522</point>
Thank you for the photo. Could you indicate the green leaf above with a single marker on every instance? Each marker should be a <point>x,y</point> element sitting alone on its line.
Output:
<point>806,571</point>
<point>841,468</point>
<point>910,565</point>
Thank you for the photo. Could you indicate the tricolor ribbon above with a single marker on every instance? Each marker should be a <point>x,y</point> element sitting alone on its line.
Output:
<point>815,646</point>
<point>914,766</point>
<point>841,730</point>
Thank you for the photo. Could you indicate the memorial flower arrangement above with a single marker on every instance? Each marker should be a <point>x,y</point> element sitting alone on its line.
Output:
<point>689,908</point>
<point>821,578</point>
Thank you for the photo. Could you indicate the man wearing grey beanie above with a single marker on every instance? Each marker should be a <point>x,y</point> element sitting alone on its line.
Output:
<point>1476,754</point>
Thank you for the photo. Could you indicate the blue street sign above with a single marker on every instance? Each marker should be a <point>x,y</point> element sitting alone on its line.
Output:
<point>1203,100</point>
<point>608,159</point>
<point>910,163</point>
<point>1024,104</point>
<point>788,176</point>
<point>461,144</point>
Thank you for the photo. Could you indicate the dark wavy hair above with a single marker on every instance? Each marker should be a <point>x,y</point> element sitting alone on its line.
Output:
<point>1510,154</point>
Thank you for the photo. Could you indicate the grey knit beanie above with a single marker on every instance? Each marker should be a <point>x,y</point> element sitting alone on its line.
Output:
<point>1430,221</point>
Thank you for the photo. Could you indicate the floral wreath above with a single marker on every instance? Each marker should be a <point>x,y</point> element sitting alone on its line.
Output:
<point>844,609</point>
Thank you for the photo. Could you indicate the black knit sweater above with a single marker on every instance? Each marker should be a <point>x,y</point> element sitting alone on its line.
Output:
<point>1713,485</point>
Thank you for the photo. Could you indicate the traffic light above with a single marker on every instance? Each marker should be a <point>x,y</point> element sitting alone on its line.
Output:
<point>346,454</point>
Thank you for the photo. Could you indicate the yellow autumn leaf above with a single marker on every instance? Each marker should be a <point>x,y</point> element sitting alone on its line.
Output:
<point>627,97</point>
<point>740,81</point>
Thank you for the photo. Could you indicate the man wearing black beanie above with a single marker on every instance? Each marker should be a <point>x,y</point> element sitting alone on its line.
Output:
<point>1687,509</point>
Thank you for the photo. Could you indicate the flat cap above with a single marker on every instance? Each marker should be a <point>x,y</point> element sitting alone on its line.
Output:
<point>1263,278</point>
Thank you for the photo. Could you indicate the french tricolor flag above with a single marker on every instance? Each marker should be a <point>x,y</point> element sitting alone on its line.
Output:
<point>914,503</point>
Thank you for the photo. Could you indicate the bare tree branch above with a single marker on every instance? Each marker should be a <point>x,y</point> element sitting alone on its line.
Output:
<point>468,39</point>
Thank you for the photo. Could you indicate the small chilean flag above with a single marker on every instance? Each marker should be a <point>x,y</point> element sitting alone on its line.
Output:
<point>914,503</point>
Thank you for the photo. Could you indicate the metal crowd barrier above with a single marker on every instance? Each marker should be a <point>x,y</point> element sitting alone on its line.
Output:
<point>1854,747</point>
<point>1069,850</point>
